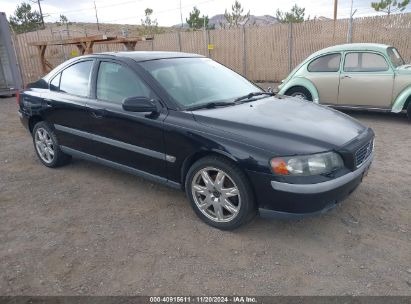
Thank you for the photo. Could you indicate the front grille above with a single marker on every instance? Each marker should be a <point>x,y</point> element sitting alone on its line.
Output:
<point>362,153</point>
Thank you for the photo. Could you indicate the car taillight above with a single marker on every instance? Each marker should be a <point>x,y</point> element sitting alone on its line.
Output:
<point>18,97</point>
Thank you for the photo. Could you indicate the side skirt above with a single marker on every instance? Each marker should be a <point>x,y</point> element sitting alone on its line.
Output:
<point>360,108</point>
<point>151,177</point>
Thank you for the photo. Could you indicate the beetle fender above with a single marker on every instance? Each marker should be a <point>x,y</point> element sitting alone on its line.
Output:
<point>401,99</point>
<point>302,82</point>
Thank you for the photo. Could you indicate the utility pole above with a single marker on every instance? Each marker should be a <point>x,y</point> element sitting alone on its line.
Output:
<point>95,9</point>
<point>181,16</point>
<point>349,34</point>
<point>41,12</point>
<point>335,17</point>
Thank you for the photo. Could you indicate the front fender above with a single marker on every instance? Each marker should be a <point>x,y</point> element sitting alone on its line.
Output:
<point>399,102</point>
<point>301,82</point>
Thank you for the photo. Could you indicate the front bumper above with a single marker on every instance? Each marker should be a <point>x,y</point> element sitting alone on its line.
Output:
<point>284,200</point>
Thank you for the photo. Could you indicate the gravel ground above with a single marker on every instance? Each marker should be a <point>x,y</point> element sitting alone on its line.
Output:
<point>88,229</point>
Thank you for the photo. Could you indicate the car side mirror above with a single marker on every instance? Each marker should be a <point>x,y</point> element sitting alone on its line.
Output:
<point>269,89</point>
<point>139,104</point>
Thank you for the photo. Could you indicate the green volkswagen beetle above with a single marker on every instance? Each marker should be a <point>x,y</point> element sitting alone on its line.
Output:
<point>353,76</point>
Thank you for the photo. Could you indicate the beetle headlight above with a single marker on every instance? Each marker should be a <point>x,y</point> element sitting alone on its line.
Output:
<point>305,165</point>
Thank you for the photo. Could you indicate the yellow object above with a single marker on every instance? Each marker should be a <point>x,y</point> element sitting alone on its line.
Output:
<point>211,46</point>
<point>74,53</point>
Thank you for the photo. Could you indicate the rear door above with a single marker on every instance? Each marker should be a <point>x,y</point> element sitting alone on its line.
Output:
<point>127,138</point>
<point>366,80</point>
<point>65,103</point>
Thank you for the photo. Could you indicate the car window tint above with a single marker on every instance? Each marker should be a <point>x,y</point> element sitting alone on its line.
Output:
<point>116,82</point>
<point>75,79</point>
<point>55,83</point>
<point>327,63</point>
<point>365,62</point>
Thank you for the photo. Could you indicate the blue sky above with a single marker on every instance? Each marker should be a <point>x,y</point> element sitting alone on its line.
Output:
<point>167,12</point>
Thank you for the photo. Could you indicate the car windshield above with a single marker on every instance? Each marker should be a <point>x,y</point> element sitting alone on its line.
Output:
<point>193,82</point>
<point>395,57</point>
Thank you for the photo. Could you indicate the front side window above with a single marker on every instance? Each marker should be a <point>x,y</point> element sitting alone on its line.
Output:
<point>197,81</point>
<point>116,82</point>
<point>327,63</point>
<point>75,79</point>
<point>365,62</point>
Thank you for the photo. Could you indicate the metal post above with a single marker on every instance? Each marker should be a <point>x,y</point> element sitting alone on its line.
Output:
<point>208,42</point>
<point>179,40</point>
<point>62,48</point>
<point>290,46</point>
<point>349,34</point>
<point>244,53</point>
<point>205,39</point>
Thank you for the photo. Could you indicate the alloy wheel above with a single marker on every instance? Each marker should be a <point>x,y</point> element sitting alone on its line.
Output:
<point>216,194</point>
<point>44,145</point>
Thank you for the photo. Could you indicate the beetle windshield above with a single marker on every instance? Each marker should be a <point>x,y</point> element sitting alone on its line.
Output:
<point>395,57</point>
<point>196,81</point>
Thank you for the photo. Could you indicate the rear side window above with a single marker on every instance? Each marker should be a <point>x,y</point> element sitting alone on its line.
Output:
<point>75,79</point>
<point>116,82</point>
<point>327,63</point>
<point>365,62</point>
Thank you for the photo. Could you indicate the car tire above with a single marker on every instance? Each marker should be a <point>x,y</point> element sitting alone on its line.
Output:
<point>47,147</point>
<point>299,92</point>
<point>224,199</point>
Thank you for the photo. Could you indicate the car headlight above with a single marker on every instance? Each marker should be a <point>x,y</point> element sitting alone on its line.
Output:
<point>305,165</point>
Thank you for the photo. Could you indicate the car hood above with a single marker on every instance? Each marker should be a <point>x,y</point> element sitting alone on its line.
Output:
<point>283,125</point>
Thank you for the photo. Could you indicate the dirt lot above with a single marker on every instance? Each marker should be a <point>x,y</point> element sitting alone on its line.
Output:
<point>88,229</point>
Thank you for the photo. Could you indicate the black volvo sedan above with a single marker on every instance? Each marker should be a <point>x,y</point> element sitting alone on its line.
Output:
<point>193,124</point>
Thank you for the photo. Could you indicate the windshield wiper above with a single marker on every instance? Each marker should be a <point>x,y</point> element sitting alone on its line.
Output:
<point>210,105</point>
<point>249,96</point>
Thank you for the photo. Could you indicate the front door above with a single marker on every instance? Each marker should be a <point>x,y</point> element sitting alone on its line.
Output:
<point>130,139</point>
<point>366,80</point>
<point>323,72</point>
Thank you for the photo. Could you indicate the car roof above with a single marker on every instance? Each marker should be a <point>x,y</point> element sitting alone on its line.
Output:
<point>353,47</point>
<point>148,55</point>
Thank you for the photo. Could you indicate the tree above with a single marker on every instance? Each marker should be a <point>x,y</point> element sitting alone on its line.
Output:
<point>149,26</point>
<point>195,21</point>
<point>390,6</point>
<point>236,17</point>
<point>24,19</point>
<point>63,19</point>
<point>296,15</point>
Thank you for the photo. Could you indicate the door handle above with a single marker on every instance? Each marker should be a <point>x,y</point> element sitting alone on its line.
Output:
<point>98,113</point>
<point>345,76</point>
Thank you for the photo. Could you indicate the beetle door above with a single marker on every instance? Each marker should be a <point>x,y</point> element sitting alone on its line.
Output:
<point>366,80</point>
<point>323,72</point>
